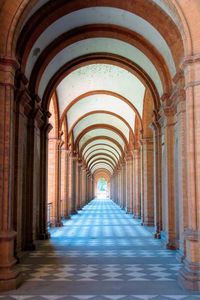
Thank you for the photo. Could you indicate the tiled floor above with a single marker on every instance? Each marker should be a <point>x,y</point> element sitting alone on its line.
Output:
<point>101,253</point>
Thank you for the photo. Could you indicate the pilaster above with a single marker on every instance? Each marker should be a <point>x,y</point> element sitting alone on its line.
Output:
<point>129,183</point>
<point>189,275</point>
<point>136,184</point>
<point>167,122</point>
<point>157,149</point>
<point>9,274</point>
<point>148,182</point>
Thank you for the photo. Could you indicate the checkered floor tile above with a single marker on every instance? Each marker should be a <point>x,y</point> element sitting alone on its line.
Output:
<point>103,272</point>
<point>101,253</point>
<point>101,297</point>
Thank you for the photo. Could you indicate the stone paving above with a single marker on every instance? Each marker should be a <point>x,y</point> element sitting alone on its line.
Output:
<point>101,253</point>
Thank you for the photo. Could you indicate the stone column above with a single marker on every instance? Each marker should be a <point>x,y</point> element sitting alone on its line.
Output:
<point>54,181</point>
<point>123,184</point>
<point>69,180</point>
<point>64,182</point>
<point>167,121</point>
<point>23,108</point>
<point>74,185</point>
<point>43,231</point>
<point>83,185</point>
<point>129,183</point>
<point>179,99</point>
<point>137,184</point>
<point>90,187</point>
<point>157,149</point>
<point>116,187</point>
<point>189,275</point>
<point>9,275</point>
<point>147,182</point>
<point>80,184</point>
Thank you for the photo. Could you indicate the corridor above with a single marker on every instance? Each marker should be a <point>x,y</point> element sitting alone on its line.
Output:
<point>101,253</point>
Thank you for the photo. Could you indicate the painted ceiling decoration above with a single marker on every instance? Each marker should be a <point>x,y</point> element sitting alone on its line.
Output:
<point>101,61</point>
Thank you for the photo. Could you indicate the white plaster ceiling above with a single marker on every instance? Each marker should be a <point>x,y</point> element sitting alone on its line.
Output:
<point>101,132</point>
<point>100,102</point>
<point>101,148</point>
<point>104,151</point>
<point>101,77</point>
<point>101,15</point>
<point>99,142</point>
<point>98,45</point>
<point>98,119</point>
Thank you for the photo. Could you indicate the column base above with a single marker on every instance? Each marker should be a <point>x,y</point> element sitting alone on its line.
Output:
<point>56,224</point>
<point>44,236</point>
<point>135,216</point>
<point>128,211</point>
<point>148,223</point>
<point>11,283</point>
<point>59,224</point>
<point>171,246</point>
<point>29,246</point>
<point>157,235</point>
<point>169,242</point>
<point>189,276</point>
<point>180,256</point>
<point>10,277</point>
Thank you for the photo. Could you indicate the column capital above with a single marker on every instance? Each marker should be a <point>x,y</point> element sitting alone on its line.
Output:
<point>39,118</point>
<point>146,141</point>
<point>25,102</point>
<point>192,235</point>
<point>168,108</point>
<point>8,67</point>
<point>190,60</point>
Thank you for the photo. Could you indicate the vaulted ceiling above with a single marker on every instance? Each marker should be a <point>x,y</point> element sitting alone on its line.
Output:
<point>101,58</point>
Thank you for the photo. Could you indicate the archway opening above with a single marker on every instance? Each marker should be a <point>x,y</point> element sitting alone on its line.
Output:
<point>102,188</point>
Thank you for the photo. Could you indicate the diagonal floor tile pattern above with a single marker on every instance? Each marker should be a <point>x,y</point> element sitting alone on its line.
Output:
<point>101,253</point>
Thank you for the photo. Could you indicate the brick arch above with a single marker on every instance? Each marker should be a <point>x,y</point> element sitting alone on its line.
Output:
<point>95,31</point>
<point>54,119</point>
<point>104,126</point>
<point>101,144</point>
<point>104,162</point>
<point>98,58</point>
<point>99,154</point>
<point>147,114</point>
<point>64,131</point>
<point>105,112</point>
<point>102,138</point>
<point>101,173</point>
<point>104,92</point>
<point>36,25</point>
<point>102,149</point>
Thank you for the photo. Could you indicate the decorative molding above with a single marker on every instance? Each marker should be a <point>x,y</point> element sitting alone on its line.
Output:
<point>192,235</point>
<point>39,119</point>
<point>11,62</point>
<point>190,60</point>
